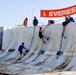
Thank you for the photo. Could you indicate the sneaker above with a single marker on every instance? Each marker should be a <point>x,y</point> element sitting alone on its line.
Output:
<point>47,38</point>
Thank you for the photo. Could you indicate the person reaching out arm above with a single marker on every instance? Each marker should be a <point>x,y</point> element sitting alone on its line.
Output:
<point>41,36</point>
<point>20,49</point>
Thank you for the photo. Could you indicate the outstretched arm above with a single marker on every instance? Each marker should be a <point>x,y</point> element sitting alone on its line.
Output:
<point>42,30</point>
<point>25,48</point>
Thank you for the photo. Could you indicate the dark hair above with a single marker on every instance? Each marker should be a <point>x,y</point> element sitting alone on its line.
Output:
<point>34,16</point>
<point>40,27</point>
<point>26,18</point>
<point>22,43</point>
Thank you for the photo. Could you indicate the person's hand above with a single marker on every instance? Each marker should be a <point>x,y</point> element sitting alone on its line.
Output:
<point>25,48</point>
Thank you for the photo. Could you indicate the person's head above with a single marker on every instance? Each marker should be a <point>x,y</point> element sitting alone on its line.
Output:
<point>69,16</point>
<point>40,28</point>
<point>34,17</point>
<point>66,18</point>
<point>26,18</point>
<point>22,43</point>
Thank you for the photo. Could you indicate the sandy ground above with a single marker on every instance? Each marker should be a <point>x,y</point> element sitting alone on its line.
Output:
<point>10,70</point>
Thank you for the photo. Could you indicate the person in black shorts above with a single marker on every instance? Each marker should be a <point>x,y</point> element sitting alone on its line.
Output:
<point>20,49</point>
<point>41,36</point>
<point>67,20</point>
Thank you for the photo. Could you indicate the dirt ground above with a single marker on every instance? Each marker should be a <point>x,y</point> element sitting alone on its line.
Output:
<point>3,74</point>
<point>59,73</point>
<point>7,69</point>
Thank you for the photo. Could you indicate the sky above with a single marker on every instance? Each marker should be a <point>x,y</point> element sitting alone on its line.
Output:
<point>13,12</point>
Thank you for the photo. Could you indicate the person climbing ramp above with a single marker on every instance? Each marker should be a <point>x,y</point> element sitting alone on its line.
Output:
<point>41,36</point>
<point>67,20</point>
<point>20,49</point>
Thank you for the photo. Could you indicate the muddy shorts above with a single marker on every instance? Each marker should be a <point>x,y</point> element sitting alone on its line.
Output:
<point>20,52</point>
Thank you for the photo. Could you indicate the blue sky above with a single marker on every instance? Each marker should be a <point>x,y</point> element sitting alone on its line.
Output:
<point>13,12</point>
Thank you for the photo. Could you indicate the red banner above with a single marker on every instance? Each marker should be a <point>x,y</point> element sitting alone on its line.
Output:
<point>58,12</point>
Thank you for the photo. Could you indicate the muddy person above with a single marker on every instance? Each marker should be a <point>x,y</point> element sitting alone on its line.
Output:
<point>20,49</point>
<point>41,36</point>
<point>67,20</point>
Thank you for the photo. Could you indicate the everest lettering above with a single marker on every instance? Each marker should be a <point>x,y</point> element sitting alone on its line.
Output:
<point>59,12</point>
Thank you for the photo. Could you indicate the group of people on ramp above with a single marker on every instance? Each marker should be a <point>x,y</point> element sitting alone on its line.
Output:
<point>68,19</point>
